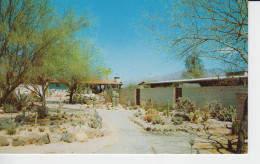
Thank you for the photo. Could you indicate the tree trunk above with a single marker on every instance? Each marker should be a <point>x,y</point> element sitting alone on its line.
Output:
<point>7,92</point>
<point>71,94</point>
<point>242,134</point>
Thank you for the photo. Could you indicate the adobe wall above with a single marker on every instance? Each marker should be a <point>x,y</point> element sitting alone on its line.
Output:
<point>126,95</point>
<point>159,96</point>
<point>202,95</point>
<point>241,99</point>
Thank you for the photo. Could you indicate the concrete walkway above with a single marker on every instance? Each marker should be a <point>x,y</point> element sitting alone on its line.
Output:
<point>133,140</point>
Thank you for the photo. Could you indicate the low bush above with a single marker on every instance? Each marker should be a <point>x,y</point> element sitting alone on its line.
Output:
<point>10,128</point>
<point>177,120</point>
<point>185,105</point>
<point>158,120</point>
<point>150,117</point>
<point>194,116</point>
<point>205,116</point>
<point>227,114</point>
<point>152,111</point>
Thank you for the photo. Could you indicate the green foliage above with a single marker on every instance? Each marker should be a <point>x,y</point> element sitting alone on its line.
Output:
<point>227,114</point>
<point>185,105</point>
<point>152,111</point>
<point>177,120</point>
<point>205,116</point>
<point>194,116</point>
<point>222,113</point>
<point>9,108</point>
<point>148,105</point>
<point>158,120</point>
<point>215,107</point>
<point>10,128</point>
<point>194,67</point>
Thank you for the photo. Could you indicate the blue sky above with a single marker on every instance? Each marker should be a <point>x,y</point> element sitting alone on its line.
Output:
<point>118,34</point>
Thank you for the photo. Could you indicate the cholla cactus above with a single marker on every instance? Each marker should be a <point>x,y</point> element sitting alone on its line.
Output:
<point>205,116</point>
<point>168,108</point>
<point>194,116</point>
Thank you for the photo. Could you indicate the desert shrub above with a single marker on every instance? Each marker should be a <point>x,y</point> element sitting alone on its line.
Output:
<point>150,117</point>
<point>130,108</point>
<point>185,105</point>
<point>135,107</point>
<point>41,129</point>
<point>222,113</point>
<point>93,123</point>
<point>215,107</point>
<point>152,111</point>
<point>194,116</point>
<point>205,116</point>
<point>9,108</point>
<point>158,120</point>
<point>42,112</point>
<point>227,114</point>
<point>177,120</point>
<point>82,122</point>
<point>161,109</point>
<point>148,105</point>
<point>184,116</point>
<point>10,128</point>
<point>165,112</point>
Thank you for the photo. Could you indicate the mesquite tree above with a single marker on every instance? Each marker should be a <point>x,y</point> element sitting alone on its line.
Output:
<point>217,29</point>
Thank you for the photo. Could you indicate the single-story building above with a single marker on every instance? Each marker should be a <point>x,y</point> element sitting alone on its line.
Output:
<point>96,85</point>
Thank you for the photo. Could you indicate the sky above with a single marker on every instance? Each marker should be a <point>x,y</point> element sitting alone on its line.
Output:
<point>118,34</point>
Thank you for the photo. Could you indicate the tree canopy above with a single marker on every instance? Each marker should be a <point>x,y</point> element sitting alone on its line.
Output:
<point>217,29</point>
<point>32,35</point>
<point>194,67</point>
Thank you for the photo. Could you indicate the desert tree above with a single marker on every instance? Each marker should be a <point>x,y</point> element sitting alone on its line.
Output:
<point>194,67</point>
<point>29,30</point>
<point>217,29</point>
<point>83,64</point>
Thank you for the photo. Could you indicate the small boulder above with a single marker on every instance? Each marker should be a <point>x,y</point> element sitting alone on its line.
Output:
<point>90,134</point>
<point>105,131</point>
<point>33,138</point>
<point>55,137</point>
<point>2,111</point>
<point>45,139</point>
<point>19,143</point>
<point>19,118</point>
<point>67,137</point>
<point>81,137</point>
<point>3,141</point>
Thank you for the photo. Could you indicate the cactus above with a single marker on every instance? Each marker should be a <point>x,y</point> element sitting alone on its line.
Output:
<point>235,127</point>
<point>158,120</point>
<point>177,120</point>
<point>168,108</point>
<point>152,111</point>
<point>59,111</point>
<point>194,116</point>
<point>205,116</point>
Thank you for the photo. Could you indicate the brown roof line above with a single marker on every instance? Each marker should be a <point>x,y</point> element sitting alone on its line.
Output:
<point>97,81</point>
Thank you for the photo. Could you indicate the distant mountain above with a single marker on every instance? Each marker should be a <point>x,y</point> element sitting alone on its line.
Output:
<point>175,76</point>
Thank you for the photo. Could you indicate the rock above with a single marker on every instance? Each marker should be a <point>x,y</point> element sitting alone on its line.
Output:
<point>105,131</point>
<point>19,143</point>
<point>90,134</point>
<point>45,139</point>
<point>3,141</point>
<point>19,118</point>
<point>148,128</point>
<point>55,137</point>
<point>2,111</point>
<point>32,139</point>
<point>67,137</point>
<point>96,133</point>
<point>81,136</point>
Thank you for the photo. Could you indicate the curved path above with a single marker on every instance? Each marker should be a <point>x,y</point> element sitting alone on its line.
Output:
<point>133,140</point>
